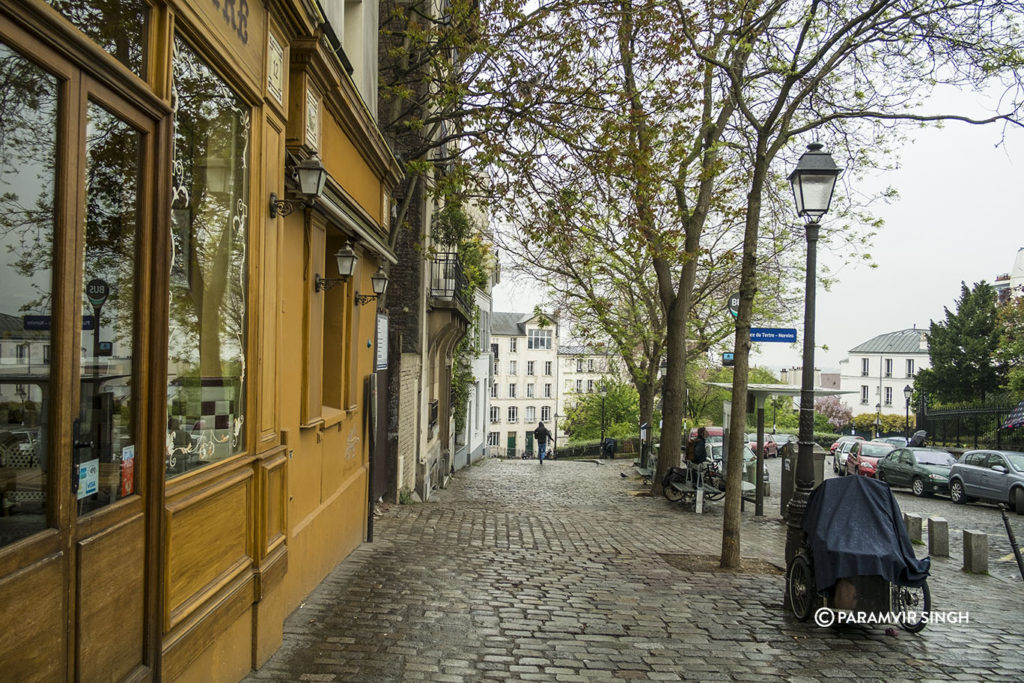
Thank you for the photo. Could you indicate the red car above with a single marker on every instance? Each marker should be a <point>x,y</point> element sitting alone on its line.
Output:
<point>864,455</point>
<point>841,440</point>
<point>771,449</point>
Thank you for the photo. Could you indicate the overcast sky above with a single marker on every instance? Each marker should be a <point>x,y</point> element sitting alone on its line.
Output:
<point>960,216</point>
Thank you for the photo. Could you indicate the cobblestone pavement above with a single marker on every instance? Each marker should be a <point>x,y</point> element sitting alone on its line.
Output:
<point>559,572</point>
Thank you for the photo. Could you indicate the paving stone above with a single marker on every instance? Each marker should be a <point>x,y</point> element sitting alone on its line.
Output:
<point>511,574</point>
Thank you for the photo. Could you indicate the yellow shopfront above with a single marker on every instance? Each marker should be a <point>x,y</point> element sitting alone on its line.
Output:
<point>164,451</point>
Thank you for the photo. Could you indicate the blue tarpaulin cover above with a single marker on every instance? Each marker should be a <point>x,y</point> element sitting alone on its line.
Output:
<point>855,528</point>
<point>1016,418</point>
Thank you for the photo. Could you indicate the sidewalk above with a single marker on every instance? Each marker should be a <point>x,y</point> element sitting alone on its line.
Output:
<point>523,572</point>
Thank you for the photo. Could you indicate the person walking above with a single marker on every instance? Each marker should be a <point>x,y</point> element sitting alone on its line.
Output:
<point>541,434</point>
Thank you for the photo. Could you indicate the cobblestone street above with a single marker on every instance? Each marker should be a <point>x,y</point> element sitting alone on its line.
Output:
<point>560,572</point>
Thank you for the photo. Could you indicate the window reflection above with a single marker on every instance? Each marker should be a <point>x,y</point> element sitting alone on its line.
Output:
<point>104,436</point>
<point>28,125</point>
<point>118,26</point>
<point>209,223</point>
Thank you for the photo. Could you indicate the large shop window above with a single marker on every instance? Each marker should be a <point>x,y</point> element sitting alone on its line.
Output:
<point>119,27</point>
<point>209,229</point>
<point>28,154</point>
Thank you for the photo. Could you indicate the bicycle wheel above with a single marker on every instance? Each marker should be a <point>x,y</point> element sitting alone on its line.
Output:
<point>912,604</point>
<point>800,586</point>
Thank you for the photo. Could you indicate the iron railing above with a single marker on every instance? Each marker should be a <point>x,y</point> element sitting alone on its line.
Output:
<point>448,280</point>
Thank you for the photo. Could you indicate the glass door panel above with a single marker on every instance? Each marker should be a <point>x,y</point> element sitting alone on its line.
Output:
<point>104,433</point>
<point>28,153</point>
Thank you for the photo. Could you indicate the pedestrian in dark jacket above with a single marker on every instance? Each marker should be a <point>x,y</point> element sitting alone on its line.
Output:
<point>700,449</point>
<point>541,434</point>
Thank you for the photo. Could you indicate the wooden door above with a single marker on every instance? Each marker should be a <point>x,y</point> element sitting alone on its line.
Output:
<point>76,185</point>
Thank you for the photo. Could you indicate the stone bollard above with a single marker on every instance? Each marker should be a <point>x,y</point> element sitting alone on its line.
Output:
<point>975,552</point>
<point>913,524</point>
<point>938,537</point>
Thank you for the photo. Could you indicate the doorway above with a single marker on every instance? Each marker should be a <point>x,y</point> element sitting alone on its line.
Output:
<point>76,198</point>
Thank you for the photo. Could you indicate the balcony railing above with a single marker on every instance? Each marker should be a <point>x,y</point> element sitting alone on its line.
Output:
<point>448,280</point>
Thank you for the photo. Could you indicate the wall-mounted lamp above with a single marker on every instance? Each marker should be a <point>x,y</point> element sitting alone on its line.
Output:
<point>346,266</point>
<point>311,176</point>
<point>380,285</point>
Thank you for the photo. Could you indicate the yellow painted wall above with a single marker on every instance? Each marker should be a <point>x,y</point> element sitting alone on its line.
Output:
<point>228,658</point>
<point>345,165</point>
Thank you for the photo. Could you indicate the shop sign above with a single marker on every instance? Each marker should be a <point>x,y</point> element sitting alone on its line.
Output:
<point>382,342</point>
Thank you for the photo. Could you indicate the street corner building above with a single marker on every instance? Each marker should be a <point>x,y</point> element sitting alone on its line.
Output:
<point>194,222</point>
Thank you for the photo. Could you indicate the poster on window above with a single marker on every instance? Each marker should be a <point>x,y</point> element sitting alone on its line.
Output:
<point>382,342</point>
<point>88,478</point>
<point>127,471</point>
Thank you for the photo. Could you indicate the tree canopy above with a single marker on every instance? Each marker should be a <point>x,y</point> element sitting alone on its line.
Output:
<point>962,349</point>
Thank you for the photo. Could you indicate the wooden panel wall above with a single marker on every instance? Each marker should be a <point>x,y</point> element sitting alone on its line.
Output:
<point>110,601</point>
<point>208,543</point>
<point>33,646</point>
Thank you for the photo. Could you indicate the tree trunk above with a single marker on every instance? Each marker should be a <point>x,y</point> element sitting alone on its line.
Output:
<point>730,557</point>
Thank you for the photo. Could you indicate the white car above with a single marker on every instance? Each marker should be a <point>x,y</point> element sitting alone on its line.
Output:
<point>839,457</point>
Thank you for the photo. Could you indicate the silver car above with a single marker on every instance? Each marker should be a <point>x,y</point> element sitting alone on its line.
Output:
<point>996,476</point>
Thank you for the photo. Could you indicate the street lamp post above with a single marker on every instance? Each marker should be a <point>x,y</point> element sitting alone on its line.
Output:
<point>554,439</point>
<point>813,181</point>
<point>604,393</point>
<point>878,420</point>
<point>908,391</point>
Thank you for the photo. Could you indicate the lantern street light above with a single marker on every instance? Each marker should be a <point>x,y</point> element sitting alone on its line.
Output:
<point>346,258</point>
<point>379,282</point>
<point>908,391</point>
<point>604,393</point>
<point>311,176</point>
<point>813,181</point>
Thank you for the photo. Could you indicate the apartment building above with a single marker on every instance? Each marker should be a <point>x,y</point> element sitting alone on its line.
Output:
<point>524,350</point>
<point>878,370</point>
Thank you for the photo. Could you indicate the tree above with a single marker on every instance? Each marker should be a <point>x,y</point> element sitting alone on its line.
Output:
<point>837,414</point>
<point>1010,347</point>
<point>962,349</point>
<point>618,409</point>
<point>851,70</point>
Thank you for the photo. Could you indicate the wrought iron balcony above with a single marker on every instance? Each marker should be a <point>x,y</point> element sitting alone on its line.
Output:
<point>448,283</point>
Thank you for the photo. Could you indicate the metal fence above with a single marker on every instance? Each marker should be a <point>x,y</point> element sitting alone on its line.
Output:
<point>968,427</point>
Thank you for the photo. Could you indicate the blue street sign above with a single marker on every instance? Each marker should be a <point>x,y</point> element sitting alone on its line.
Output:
<point>773,334</point>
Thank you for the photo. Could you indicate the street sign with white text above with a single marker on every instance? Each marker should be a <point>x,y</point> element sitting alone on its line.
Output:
<point>773,334</point>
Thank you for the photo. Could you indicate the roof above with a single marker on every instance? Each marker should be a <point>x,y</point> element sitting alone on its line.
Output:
<point>508,324</point>
<point>581,350</point>
<point>779,389</point>
<point>511,324</point>
<point>901,341</point>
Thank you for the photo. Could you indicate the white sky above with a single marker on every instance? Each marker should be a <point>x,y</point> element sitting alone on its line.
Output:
<point>958,217</point>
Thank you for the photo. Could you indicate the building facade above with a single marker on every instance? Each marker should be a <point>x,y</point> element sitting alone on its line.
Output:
<point>524,357</point>
<point>471,440</point>
<point>877,371</point>
<point>194,334</point>
<point>1011,284</point>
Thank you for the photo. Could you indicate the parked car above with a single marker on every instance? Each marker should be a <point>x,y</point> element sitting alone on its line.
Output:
<point>840,456</point>
<point>864,455</point>
<point>782,438</point>
<point>924,470</point>
<point>996,476</point>
<point>771,449</point>
<point>749,463</point>
<point>843,439</point>
<point>714,434</point>
<point>897,441</point>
